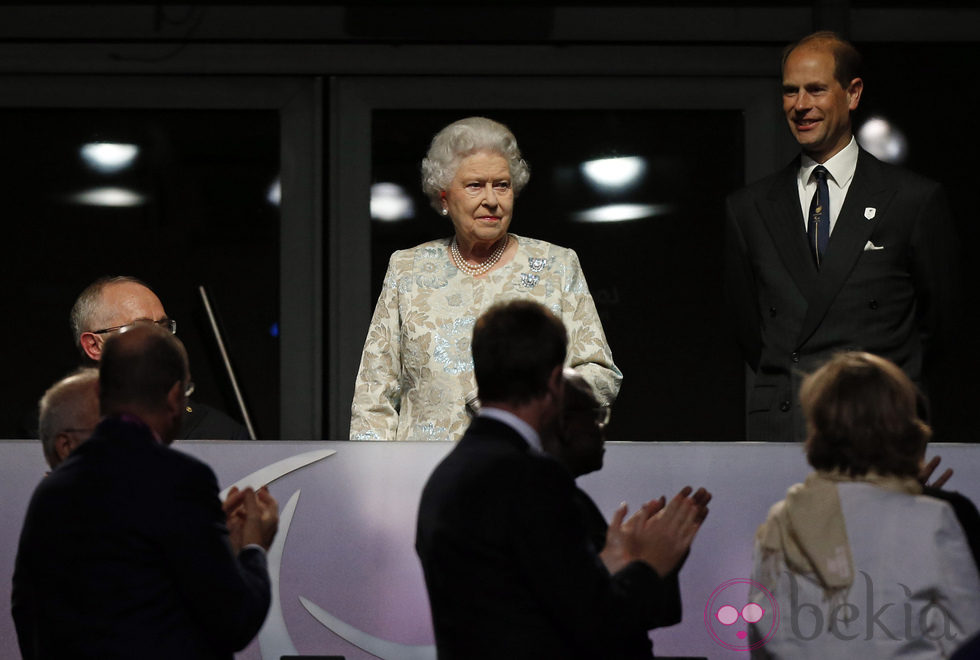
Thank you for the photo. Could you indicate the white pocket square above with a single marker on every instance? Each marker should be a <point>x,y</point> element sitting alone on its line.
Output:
<point>871,246</point>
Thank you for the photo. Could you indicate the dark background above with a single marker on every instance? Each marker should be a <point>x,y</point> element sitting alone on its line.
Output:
<point>207,172</point>
<point>205,221</point>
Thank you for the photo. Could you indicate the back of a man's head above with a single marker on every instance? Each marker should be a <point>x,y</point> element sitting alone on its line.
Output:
<point>516,346</point>
<point>69,409</point>
<point>139,368</point>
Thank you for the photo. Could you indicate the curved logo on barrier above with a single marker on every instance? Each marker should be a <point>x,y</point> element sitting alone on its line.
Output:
<point>274,639</point>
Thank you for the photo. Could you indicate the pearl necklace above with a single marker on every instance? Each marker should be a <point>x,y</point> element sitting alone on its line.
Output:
<point>483,266</point>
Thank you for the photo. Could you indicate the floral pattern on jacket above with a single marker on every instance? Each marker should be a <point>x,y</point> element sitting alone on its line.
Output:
<point>416,370</point>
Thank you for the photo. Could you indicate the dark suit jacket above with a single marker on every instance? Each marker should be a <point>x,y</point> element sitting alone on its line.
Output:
<point>203,422</point>
<point>791,317</point>
<point>632,644</point>
<point>966,513</point>
<point>509,566</point>
<point>125,554</point>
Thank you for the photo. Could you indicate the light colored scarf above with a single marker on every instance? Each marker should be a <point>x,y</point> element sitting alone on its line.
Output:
<point>807,529</point>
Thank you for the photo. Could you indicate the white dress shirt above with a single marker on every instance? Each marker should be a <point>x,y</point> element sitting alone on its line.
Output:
<point>510,419</point>
<point>840,173</point>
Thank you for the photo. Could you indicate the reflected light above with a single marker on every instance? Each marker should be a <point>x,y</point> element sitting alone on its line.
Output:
<point>118,197</point>
<point>883,140</point>
<point>274,196</point>
<point>390,202</point>
<point>622,212</point>
<point>614,172</point>
<point>109,157</point>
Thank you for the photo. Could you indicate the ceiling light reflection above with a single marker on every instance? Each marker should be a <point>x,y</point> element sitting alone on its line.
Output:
<point>390,203</point>
<point>274,195</point>
<point>622,212</point>
<point>614,172</point>
<point>883,140</point>
<point>109,157</point>
<point>117,197</point>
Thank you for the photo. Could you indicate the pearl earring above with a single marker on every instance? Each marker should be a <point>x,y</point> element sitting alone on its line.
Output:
<point>445,211</point>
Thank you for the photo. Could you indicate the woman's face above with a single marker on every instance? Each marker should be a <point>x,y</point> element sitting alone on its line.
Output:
<point>480,199</point>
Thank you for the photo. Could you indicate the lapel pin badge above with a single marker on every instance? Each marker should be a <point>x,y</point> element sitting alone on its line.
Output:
<point>869,212</point>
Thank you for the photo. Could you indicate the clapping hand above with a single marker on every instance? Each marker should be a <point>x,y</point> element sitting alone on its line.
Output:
<point>252,517</point>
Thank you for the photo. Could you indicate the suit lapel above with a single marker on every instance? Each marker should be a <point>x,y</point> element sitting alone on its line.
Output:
<point>783,218</point>
<point>869,189</point>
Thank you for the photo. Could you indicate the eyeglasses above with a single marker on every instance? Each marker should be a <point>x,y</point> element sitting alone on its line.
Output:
<point>169,324</point>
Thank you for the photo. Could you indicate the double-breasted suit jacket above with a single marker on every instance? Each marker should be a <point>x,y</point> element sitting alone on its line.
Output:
<point>882,285</point>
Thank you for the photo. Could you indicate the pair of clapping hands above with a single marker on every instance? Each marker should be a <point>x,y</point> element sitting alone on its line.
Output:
<point>660,533</point>
<point>252,517</point>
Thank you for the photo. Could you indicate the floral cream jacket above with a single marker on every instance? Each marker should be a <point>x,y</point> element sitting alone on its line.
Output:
<point>416,371</point>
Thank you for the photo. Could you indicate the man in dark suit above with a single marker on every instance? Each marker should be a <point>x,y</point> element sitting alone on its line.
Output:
<point>110,304</point>
<point>578,445</point>
<point>510,569</point>
<point>838,251</point>
<point>125,551</point>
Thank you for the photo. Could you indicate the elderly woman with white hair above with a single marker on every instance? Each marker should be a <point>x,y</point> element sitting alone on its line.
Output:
<point>416,373</point>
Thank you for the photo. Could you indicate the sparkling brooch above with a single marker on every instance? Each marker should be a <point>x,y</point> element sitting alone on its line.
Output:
<point>536,264</point>
<point>528,280</point>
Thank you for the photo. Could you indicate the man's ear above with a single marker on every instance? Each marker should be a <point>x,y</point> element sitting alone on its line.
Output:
<point>556,384</point>
<point>854,93</point>
<point>91,345</point>
<point>176,399</point>
<point>62,446</point>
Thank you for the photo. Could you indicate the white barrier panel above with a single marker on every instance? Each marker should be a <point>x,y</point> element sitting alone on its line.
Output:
<point>349,581</point>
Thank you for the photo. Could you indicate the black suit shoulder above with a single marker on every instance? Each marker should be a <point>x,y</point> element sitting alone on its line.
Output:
<point>144,514</point>
<point>966,514</point>
<point>504,548</point>
<point>203,422</point>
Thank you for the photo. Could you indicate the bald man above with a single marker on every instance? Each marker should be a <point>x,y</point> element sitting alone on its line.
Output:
<point>126,550</point>
<point>111,304</point>
<point>68,413</point>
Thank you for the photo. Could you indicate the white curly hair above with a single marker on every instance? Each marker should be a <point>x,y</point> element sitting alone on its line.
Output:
<point>464,138</point>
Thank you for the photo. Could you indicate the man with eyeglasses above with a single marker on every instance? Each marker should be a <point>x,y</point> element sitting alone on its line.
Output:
<point>112,304</point>
<point>68,413</point>
<point>578,444</point>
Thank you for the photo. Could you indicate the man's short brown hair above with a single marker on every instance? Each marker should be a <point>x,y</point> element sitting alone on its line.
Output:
<point>861,413</point>
<point>516,346</point>
<point>847,59</point>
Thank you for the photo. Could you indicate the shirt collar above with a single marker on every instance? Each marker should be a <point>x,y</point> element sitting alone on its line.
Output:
<point>525,430</point>
<point>840,167</point>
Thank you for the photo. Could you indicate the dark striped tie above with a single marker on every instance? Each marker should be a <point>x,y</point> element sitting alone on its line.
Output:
<point>818,228</point>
